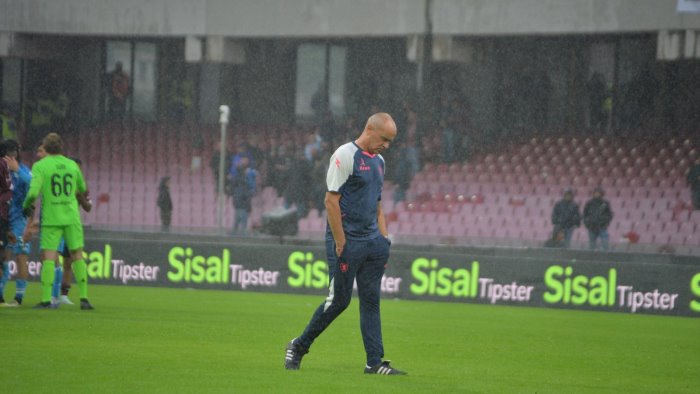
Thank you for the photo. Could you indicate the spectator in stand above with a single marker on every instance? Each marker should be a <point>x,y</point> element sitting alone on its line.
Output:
<point>277,168</point>
<point>319,169</point>
<point>327,126</point>
<point>411,152</point>
<point>461,123</point>
<point>693,179</point>
<point>242,150</point>
<point>255,152</point>
<point>313,145</point>
<point>447,130</point>
<point>214,163</point>
<point>119,89</point>
<point>319,101</point>
<point>165,203</point>
<point>448,141</point>
<point>404,174</point>
<point>597,216</point>
<point>407,153</point>
<point>566,216</point>
<point>297,192</point>
<point>243,188</point>
<point>350,128</point>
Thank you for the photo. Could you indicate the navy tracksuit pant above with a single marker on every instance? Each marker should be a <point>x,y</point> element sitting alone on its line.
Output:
<point>364,261</point>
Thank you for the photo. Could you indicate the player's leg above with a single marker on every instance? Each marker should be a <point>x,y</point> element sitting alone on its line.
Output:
<point>67,277</point>
<point>74,241</point>
<point>4,255</point>
<point>50,239</point>
<point>341,274</point>
<point>57,279</point>
<point>4,278</point>
<point>369,281</point>
<point>21,250</point>
<point>22,276</point>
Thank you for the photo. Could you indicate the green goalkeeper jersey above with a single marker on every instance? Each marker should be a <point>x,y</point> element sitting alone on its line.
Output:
<point>57,178</point>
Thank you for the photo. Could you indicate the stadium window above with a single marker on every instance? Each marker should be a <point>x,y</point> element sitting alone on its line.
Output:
<point>336,88</point>
<point>144,80</point>
<point>116,52</point>
<point>320,80</point>
<point>142,57</point>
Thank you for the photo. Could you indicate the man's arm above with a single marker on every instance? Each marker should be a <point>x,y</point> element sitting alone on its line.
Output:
<point>587,210</point>
<point>24,174</point>
<point>84,200</point>
<point>332,202</point>
<point>555,214</point>
<point>381,220</point>
<point>577,216</point>
<point>34,189</point>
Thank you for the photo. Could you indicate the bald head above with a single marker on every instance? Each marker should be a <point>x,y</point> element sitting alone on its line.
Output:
<point>381,120</point>
<point>378,134</point>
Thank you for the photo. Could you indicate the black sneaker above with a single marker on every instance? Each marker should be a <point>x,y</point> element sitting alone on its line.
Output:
<point>85,305</point>
<point>384,368</point>
<point>44,305</point>
<point>294,354</point>
<point>18,300</point>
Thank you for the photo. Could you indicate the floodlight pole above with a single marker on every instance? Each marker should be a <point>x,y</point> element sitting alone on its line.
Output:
<point>223,121</point>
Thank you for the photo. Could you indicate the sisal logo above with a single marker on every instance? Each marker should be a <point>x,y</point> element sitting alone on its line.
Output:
<point>189,267</point>
<point>430,279</point>
<point>601,291</point>
<point>186,266</point>
<point>565,288</point>
<point>695,290</point>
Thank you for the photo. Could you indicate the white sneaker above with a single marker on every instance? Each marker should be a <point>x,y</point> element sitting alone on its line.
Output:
<point>64,300</point>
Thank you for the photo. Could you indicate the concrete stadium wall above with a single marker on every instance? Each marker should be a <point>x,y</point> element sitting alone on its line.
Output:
<point>104,17</point>
<point>312,18</point>
<point>265,18</point>
<point>489,17</point>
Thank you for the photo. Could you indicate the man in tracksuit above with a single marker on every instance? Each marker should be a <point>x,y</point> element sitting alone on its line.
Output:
<point>597,216</point>
<point>357,243</point>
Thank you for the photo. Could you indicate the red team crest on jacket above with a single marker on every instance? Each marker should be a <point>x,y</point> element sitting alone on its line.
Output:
<point>343,267</point>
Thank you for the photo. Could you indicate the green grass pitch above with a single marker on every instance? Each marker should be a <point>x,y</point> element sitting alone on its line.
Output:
<point>159,340</point>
